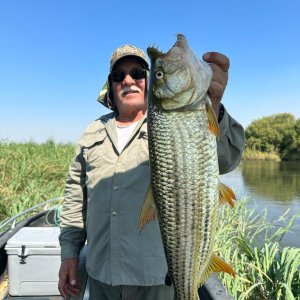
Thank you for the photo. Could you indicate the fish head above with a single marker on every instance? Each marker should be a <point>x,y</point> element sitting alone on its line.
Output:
<point>178,78</point>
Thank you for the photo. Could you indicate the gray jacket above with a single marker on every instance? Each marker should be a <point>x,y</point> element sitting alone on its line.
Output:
<point>105,191</point>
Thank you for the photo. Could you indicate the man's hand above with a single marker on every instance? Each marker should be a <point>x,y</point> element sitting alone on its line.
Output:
<point>68,284</point>
<point>220,65</point>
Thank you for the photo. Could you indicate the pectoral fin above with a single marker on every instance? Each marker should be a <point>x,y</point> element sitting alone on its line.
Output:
<point>226,194</point>
<point>149,211</point>
<point>213,125</point>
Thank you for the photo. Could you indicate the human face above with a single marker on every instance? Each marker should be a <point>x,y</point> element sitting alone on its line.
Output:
<point>129,94</point>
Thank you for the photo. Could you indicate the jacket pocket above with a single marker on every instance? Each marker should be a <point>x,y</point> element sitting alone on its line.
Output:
<point>93,149</point>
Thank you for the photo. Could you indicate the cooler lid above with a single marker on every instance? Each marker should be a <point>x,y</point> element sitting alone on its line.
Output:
<point>35,237</point>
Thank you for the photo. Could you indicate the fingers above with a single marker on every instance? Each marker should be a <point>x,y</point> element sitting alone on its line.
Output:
<point>63,277</point>
<point>73,272</point>
<point>217,58</point>
<point>68,285</point>
<point>219,75</point>
<point>220,66</point>
<point>70,290</point>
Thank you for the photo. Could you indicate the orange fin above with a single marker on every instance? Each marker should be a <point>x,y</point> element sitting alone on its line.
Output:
<point>149,211</point>
<point>216,264</point>
<point>226,194</point>
<point>213,125</point>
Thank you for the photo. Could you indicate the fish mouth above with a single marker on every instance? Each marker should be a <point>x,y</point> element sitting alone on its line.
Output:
<point>166,94</point>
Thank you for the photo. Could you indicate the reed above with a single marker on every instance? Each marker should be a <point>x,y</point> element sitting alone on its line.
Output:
<point>258,155</point>
<point>31,173</point>
<point>265,269</point>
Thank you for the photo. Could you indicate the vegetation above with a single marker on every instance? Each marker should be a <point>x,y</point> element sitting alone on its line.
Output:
<point>276,134</point>
<point>265,269</point>
<point>31,173</point>
<point>259,155</point>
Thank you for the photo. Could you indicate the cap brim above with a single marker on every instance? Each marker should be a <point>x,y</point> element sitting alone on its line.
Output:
<point>103,95</point>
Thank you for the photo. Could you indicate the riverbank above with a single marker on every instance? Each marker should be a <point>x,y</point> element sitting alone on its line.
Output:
<point>268,156</point>
<point>258,155</point>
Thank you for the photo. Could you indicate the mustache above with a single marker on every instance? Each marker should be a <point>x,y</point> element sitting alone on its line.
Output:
<point>127,89</point>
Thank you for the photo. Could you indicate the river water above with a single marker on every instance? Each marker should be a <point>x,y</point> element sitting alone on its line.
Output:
<point>271,185</point>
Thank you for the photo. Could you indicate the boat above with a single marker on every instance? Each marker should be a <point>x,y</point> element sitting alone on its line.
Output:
<point>46,215</point>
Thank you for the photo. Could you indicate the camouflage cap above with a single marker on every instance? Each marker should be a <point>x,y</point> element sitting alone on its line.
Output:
<point>127,50</point>
<point>122,51</point>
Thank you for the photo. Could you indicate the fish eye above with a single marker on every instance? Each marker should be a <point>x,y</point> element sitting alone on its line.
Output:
<point>159,74</point>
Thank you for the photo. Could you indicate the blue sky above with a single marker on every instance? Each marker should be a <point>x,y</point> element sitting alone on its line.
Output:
<point>54,56</point>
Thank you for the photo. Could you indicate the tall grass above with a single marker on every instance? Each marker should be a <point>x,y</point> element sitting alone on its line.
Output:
<point>31,173</point>
<point>264,268</point>
<point>258,155</point>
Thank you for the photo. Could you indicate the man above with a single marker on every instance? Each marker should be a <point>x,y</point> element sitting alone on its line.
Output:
<point>107,182</point>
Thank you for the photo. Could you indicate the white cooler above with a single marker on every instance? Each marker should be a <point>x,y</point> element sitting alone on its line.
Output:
<point>34,261</point>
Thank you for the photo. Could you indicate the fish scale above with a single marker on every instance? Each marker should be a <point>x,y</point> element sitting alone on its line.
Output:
<point>179,189</point>
<point>185,191</point>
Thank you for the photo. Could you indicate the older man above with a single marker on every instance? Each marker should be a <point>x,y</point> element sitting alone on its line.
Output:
<point>108,179</point>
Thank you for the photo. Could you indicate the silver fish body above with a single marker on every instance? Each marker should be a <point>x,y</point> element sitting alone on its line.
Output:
<point>184,165</point>
<point>185,180</point>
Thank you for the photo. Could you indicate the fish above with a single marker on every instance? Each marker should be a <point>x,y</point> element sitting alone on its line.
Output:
<point>185,191</point>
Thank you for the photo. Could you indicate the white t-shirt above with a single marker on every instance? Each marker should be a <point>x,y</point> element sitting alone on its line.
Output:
<point>124,133</point>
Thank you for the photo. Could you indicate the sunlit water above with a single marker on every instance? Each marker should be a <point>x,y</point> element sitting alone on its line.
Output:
<point>271,185</point>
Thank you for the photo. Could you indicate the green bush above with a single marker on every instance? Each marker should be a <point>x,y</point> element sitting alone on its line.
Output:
<point>279,133</point>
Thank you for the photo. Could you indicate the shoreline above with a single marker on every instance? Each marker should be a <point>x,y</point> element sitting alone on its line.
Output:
<point>268,156</point>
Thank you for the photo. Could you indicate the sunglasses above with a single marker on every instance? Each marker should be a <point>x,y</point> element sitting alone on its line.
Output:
<point>136,74</point>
